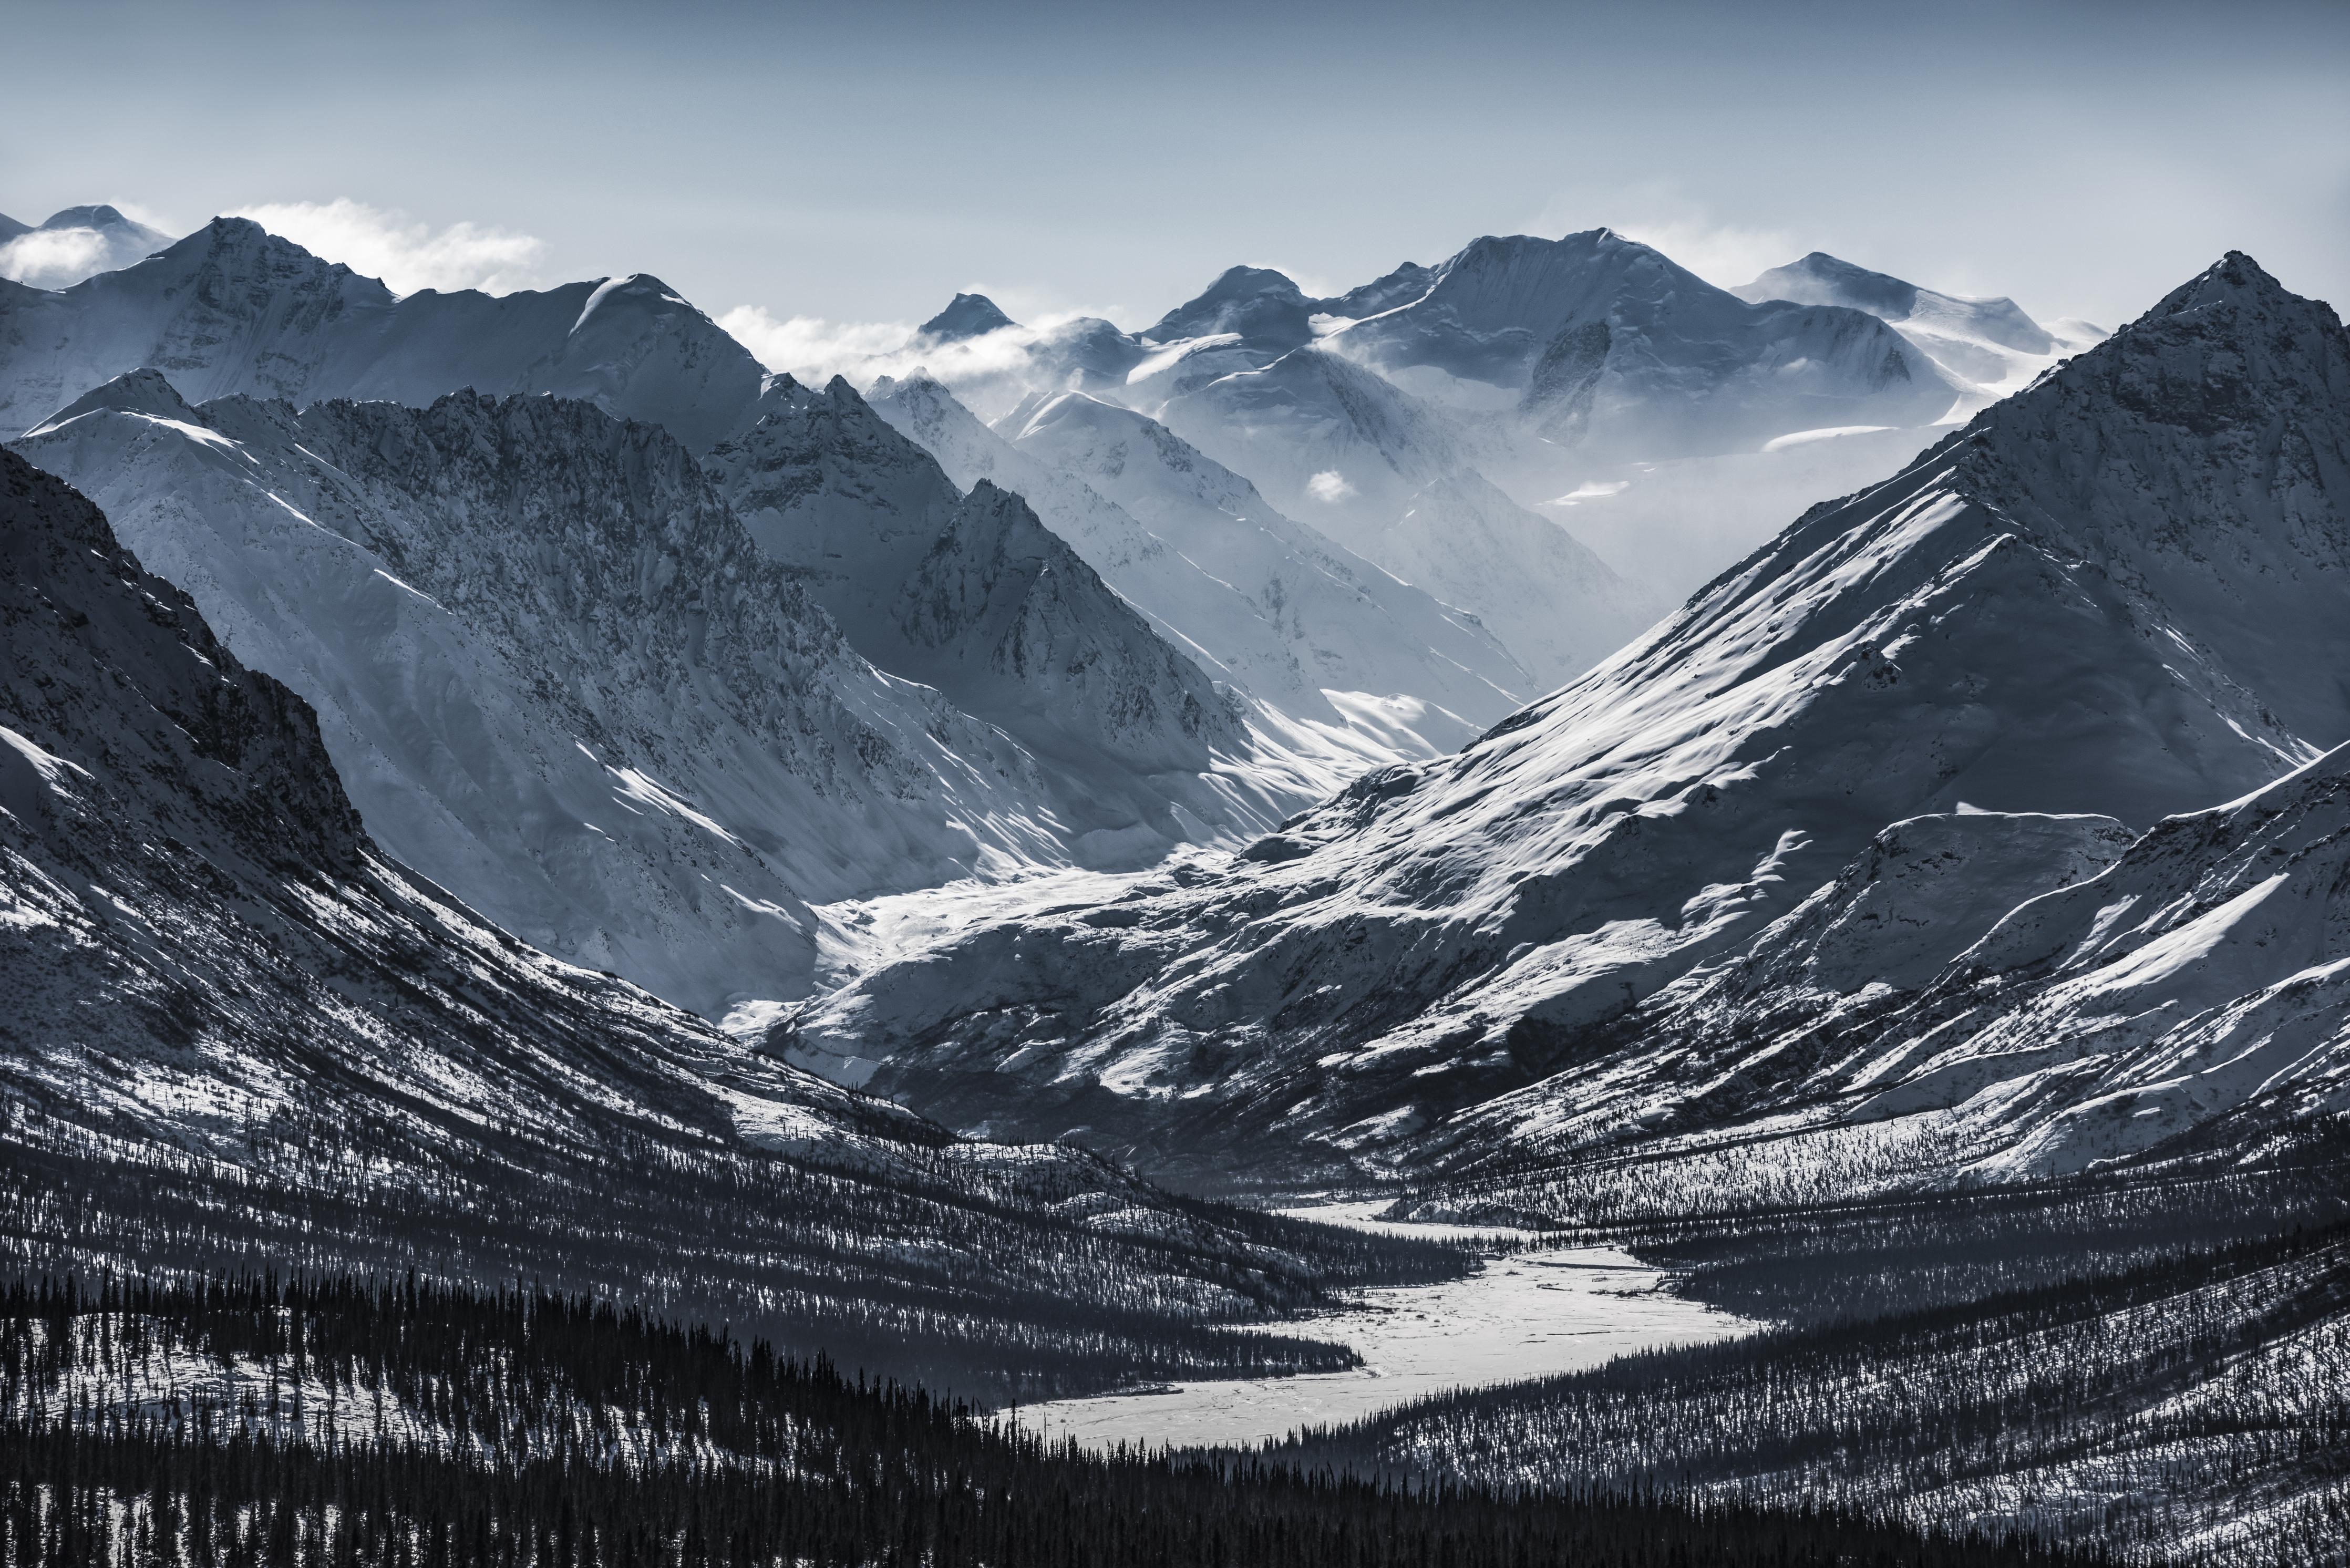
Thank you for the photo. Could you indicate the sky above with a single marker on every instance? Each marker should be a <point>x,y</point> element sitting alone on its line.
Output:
<point>851,163</point>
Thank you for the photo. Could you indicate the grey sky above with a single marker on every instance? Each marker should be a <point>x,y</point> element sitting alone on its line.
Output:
<point>863,162</point>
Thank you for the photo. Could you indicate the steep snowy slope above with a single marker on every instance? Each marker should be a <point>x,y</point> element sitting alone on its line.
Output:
<point>2205,976</point>
<point>2118,593</point>
<point>1397,482</point>
<point>235,1036</point>
<point>974,596</point>
<point>231,308</point>
<point>558,675</point>
<point>1991,343</point>
<point>201,935</point>
<point>1596,338</point>
<point>73,244</point>
<point>1274,607</point>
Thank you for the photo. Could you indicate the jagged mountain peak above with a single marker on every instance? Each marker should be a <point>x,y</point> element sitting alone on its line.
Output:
<point>1261,305</point>
<point>1602,342</point>
<point>2235,280</point>
<point>142,391</point>
<point>966,316</point>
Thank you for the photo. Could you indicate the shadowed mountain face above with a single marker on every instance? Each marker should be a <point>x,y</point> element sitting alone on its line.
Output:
<point>973,594</point>
<point>966,316</point>
<point>2117,593</point>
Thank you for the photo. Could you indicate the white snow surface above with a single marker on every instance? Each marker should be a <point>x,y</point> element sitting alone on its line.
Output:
<point>1525,1315</point>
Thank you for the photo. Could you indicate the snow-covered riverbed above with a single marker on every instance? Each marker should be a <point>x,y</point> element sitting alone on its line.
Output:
<point>1525,1315</point>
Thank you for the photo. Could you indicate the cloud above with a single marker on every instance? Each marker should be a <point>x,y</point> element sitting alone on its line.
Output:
<point>1722,254</point>
<point>55,258</point>
<point>1659,214</point>
<point>1329,485</point>
<point>990,373</point>
<point>811,347</point>
<point>406,255</point>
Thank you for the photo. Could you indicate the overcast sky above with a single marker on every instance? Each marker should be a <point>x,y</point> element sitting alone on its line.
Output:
<point>862,161</point>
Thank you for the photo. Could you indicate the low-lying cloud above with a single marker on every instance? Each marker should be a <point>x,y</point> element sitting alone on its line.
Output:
<point>809,347</point>
<point>990,373</point>
<point>55,258</point>
<point>406,254</point>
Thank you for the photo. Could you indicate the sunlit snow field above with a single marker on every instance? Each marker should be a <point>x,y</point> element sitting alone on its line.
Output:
<point>1524,1315</point>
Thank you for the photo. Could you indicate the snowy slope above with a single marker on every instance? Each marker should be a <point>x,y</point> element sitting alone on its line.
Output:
<point>73,244</point>
<point>2117,593</point>
<point>558,675</point>
<point>1596,338</point>
<point>231,308</point>
<point>1397,482</point>
<point>201,937</point>
<point>2205,976</point>
<point>237,1033</point>
<point>1263,602</point>
<point>975,596</point>
<point>1989,343</point>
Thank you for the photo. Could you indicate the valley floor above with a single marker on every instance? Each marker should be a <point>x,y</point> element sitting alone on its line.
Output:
<point>1535,1312</point>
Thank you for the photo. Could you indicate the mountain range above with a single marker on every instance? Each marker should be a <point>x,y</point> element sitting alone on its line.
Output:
<point>2105,596</point>
<point>511,785</point>
<point>237,1030</point>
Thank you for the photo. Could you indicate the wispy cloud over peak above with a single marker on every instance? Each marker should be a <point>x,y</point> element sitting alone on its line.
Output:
<point>408,255</point>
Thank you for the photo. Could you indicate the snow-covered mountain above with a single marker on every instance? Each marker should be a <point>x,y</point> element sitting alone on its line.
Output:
<point>1989,343</point>
<point>203,941</point>
<point>237,1032</point>
<point>558,675</point>
<point>966,316</point>
<point>73,244</point>
<point>234,309</point>
<point>1397,482</point>
<point>2118,593</point>
<point>1600,339</point>
<point>1298,622</point>
<point>972,595</point>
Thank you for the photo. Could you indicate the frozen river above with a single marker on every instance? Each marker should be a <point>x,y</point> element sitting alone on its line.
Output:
<point>1525,1314</point>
